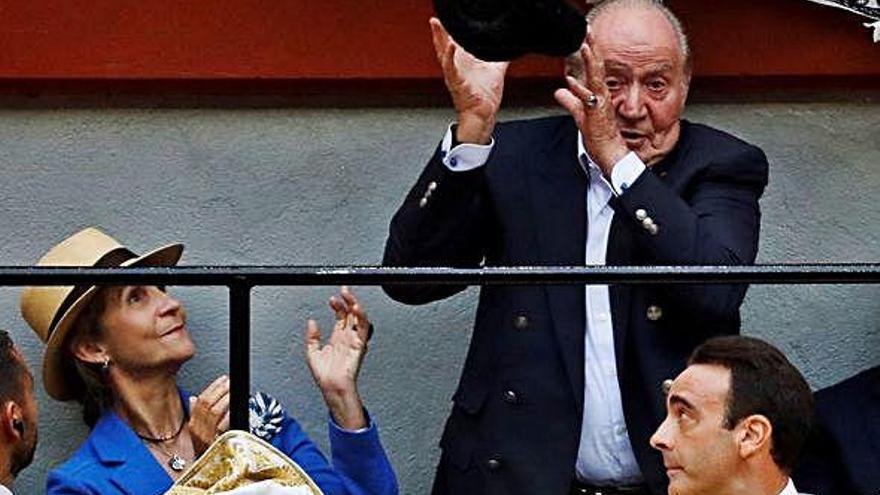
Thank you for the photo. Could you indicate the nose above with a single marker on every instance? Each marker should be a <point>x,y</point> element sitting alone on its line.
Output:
<point>632,105</point>
<point>168,304</point>
<point>660,439</point>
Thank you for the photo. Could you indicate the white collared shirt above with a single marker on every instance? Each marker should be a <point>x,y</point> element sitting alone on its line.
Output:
<point>605,455</point>
<point>789,489</point>
<point>4,490</point>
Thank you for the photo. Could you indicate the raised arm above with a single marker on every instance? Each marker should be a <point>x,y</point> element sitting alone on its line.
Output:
<point>360,465</point>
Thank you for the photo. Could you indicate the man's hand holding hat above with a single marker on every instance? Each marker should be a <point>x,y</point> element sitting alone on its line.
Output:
<point>476,86</point>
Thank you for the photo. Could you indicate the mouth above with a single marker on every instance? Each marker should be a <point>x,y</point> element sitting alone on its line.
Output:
<point>673,470</point>
<point>631,135</point>
<point>173,330</point>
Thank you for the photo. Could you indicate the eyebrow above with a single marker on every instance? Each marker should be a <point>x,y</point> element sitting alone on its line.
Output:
<point>653,69</point>
<point>122,291</point>
<point>675,399</point>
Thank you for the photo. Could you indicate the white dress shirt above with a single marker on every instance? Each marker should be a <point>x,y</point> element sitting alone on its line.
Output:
<point>605,455</point>
<point>789,489</point>
<point>4,490</point>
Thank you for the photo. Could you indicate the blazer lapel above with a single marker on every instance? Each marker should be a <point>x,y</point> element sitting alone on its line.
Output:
<point>133,469</point>
<point>558,191</point>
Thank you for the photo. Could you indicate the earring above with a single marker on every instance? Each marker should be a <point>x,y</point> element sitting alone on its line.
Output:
<point>106,364</point>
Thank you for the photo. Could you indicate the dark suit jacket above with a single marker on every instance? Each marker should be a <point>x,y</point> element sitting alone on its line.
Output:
<point>843,457</point>
<point>515,424</point>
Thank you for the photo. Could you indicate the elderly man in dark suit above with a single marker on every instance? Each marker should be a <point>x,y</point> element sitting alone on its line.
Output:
<point>843,456</point>
<point>561,388</point>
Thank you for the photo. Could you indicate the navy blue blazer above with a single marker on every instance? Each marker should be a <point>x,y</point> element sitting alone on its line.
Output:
<point>843,457</point>
<point>113,460</point>
<point>515,424</point>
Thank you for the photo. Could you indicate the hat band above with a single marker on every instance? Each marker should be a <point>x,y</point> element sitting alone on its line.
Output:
<point>113,258</point>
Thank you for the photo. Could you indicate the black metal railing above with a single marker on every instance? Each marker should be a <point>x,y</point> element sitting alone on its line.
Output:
<point>241,279</point>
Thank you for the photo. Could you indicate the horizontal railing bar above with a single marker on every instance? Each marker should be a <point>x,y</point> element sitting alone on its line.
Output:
<point>852,273</point>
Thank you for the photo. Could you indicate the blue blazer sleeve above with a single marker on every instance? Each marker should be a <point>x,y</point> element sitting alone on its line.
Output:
<point>360,466</point>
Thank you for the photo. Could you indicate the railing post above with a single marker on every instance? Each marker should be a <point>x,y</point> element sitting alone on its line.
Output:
<point>239,352</point>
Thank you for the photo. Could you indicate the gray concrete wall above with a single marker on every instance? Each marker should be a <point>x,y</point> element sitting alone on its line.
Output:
<point>319,186</point>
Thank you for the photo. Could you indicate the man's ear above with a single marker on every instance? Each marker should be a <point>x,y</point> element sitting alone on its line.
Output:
<point>754,435</point>
<point>12,421</point>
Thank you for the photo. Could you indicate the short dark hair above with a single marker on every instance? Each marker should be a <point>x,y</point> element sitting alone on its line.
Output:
<point>763,381</point>
<point>12,370</point>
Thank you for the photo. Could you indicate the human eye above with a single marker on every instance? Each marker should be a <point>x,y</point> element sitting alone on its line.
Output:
<point>613,83</point>
<point>686,418</point>
<point>657,84</point>
<point>135,295</point>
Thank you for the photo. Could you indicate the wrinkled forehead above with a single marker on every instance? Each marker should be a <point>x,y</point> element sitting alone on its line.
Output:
<point>636,32</point>
<point>704,386</point>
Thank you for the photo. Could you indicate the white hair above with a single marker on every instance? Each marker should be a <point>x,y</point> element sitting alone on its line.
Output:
<point>606,5</point>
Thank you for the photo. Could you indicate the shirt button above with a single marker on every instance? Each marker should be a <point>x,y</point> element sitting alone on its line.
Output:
<point>510,397</point>
<point>521,322</point>
<point>493,464</point>
<point>602,316</point>
<point>654,313</point>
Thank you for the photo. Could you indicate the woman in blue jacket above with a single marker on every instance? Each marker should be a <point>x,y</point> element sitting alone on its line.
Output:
<point>117,350</point>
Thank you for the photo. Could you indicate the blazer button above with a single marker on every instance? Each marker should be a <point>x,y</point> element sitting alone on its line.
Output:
<point>667,386</point>
<point>654,312</point>
<point>641,214</point>
<point>432,186</point>
<point>493,464</point>
<point>521,322</point>
<point>423,202</point>
<point>510,397</point>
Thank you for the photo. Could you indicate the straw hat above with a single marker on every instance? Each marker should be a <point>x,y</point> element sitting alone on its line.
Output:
<point>51,311</point>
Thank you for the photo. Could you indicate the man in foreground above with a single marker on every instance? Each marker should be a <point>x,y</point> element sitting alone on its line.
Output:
<point>18,414</point>
<point>737,419</point>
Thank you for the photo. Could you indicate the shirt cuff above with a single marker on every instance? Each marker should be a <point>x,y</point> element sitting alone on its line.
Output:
<point>353,442</point>
<point>344,431</point>
<point>626,171</point>
<point>465,156</point>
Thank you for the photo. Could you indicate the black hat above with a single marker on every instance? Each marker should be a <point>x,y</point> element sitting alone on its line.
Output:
<point>496,30</point>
